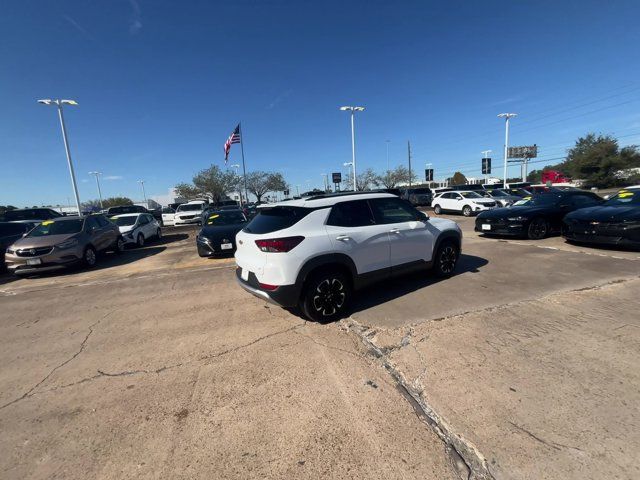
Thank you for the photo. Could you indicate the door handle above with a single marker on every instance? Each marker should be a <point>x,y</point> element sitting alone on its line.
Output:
<point>343,238</point>
<point>394,230</point>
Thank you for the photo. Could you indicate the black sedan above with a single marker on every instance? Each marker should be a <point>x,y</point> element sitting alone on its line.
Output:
<point>537,217</point>
<point>218,234</point>
<point>615,222</point>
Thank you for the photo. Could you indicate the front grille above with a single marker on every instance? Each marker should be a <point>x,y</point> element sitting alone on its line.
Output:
<point>186,217</point>
<point>33,252</point>
<point>491,221</point>
<point>490,204</point>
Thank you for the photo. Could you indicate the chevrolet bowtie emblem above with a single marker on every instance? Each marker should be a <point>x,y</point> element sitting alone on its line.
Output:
<point>594,223</point>
<point>32,251</point>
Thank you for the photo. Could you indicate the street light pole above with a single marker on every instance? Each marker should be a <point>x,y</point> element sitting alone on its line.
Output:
<point>485,154</point>
<point>506,116</point>
<point>59,104</point>
<point>237,166</point>
<point>353,140</point>
<point>141,182</point>
<point>97,174</point>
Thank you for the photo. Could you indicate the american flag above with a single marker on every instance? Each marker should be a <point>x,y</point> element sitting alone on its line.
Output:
<point>233,138</point>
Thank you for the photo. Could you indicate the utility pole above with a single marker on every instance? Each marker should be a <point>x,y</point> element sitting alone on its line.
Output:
<point>97,174</point>
<point>506,116</point>
<point>409,153</point>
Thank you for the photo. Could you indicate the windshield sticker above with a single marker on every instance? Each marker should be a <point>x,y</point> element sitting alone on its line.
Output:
<point>625,194</point>
<point>48,222</point>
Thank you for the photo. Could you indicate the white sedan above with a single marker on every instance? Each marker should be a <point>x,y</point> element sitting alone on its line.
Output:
<point>137,227</point>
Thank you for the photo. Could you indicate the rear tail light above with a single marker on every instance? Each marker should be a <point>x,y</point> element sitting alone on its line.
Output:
<point>267,286</point>
<point>278,245</point>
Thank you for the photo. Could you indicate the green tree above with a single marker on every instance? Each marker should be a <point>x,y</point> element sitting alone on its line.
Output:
<point>458,179</point>
<point>597,159</point>
<point>212,182</point>
<point>91,205</point>
<point>116,202</point>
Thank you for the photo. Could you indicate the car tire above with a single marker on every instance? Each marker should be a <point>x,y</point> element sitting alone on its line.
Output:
<point>446,258</point>
<point>466,211</point>
<point>140,241</point>
<point>119,246</point>
<point>437,210</point>
<point>89,257</point>
<point>326,296</point>
<point>159,234</point>
<point>538,229</point>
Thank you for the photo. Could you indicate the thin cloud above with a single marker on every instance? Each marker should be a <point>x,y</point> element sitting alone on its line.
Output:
<point>77,26</point>
<point>113,177</point>
<point>135,24</point>
<point>274,103</point>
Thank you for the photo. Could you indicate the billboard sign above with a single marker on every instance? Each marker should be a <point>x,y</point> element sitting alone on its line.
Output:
<point>486,166</point>
<point>523,152</point>
<point>337,177</point>
<point>428,174</point>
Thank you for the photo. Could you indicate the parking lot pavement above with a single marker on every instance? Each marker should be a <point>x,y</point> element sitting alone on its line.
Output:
<point>530,364</point>
<point>177,373</point>
<point>155,365</point>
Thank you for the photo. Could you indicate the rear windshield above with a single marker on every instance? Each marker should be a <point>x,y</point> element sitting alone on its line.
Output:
<point>277,218</point>
<point>420,191</point>
<point>126,209</point>
<point>124,221</point>
<point>225,217</point>
<point>51,227</point>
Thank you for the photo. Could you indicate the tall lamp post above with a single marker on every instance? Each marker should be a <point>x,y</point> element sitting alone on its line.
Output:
<point>59,103</point>
<point>506,116</point>
<point>353,139</point>
<point>237,167</point>
<point>144,194</point>
<point>97,174</point>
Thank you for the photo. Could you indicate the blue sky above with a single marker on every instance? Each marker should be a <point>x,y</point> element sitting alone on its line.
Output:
<point>161,84</point>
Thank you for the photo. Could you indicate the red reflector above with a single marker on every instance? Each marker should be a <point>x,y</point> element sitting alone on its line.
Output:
<point>266,286</point>
<point>277,245</point>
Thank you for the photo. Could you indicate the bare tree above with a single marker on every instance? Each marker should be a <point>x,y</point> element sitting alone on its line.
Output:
<point>212,182</point>
<point>260,183</point>
<point>395,177</point>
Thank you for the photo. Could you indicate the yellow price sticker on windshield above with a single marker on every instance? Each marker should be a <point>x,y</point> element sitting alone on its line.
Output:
<point>113,218</point>
<point>625,194</point>
<point>48,222</point>
<point>527,198</point>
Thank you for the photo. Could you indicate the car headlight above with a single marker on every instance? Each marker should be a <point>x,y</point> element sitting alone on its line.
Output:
<point>67,244</point>
<point>517,219</point>
<point>11,251</point>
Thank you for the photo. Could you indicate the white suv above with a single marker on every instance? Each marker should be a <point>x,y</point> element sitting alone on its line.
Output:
<point>314,252</point>
<point>190,212</point>
<point>463,202</point>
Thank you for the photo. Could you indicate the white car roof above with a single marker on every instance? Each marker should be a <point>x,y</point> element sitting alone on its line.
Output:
<point>326,200</point>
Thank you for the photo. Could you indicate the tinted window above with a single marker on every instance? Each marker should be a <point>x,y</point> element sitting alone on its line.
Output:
<point>103,222</point>
<point>143,220</point>
<point>624,197</point>
<point>351,214</point>
<point>7,229</point>
<point>226,217</point>
<point>124,221</point>
<point>277,218</point>
<point>392,210</point>
<point>91,224</point>
<point>51,227</point>
<point>168,210</point>
<point>581,201</point>
<point>194,207</point>
<point>470,195</point>
<point>447,195</point>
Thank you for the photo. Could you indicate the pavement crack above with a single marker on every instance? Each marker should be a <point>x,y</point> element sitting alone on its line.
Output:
<point>466,458</point>
<point>550,444</point>
<point>331,347</point>
<point>29,392</point>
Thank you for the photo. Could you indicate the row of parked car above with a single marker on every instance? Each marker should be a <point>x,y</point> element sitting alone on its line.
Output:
<point>32,245</point>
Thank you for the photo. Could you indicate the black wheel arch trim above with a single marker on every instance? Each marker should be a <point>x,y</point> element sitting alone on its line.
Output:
<point>448,235</point>
<point>326,259</point>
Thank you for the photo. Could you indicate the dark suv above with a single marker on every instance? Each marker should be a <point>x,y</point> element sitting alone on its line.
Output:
<point>30,215</point>
<point>418,196</point>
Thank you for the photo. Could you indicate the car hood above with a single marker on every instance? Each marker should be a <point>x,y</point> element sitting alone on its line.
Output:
<point>606,214</point>
<point>194,212</point>
<point>125,228</point>
<point>226,231</point>
<point>481,200</point>
<point>46,241</point>
<point>521,210</point>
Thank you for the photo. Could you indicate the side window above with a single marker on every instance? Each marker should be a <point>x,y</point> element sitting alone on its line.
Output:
<point>351,214</point>
<point>580,201</point>
<point>392,210</point>
<point>91,224</point>
<point>103,222</point>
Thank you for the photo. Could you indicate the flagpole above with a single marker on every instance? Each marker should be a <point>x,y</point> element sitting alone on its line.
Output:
<point>244,169</point>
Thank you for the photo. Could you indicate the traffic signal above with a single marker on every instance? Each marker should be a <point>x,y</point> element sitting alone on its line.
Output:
<point>486,166</point>
<point>428,174</point>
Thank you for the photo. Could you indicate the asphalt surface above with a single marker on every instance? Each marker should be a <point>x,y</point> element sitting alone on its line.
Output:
<point>156,365</point>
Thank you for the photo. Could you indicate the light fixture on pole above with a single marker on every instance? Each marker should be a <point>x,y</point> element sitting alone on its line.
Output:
<point>97,174</point>
<point>485,154</point>
<point>141,182</point>
<point>506,116</point>
<point>353,139</point>
<point>59,104</point>
<point>325,181</point>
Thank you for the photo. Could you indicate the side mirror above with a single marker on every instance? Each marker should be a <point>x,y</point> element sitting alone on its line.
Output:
<point>423,216</point>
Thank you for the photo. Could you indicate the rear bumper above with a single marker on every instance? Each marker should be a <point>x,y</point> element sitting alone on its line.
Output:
<point>283,295</point>
<point>186,221</point>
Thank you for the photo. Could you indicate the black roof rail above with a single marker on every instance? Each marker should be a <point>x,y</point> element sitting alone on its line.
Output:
<point>339,194</point>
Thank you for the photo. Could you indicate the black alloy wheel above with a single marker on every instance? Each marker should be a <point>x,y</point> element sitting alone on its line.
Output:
<point>89,257</point>
<point>446,259</point>
<point>326,297</point>
<point>538,229</point>
<point>140,240</point>
<point>119,248</point>
<point>437,210</point>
